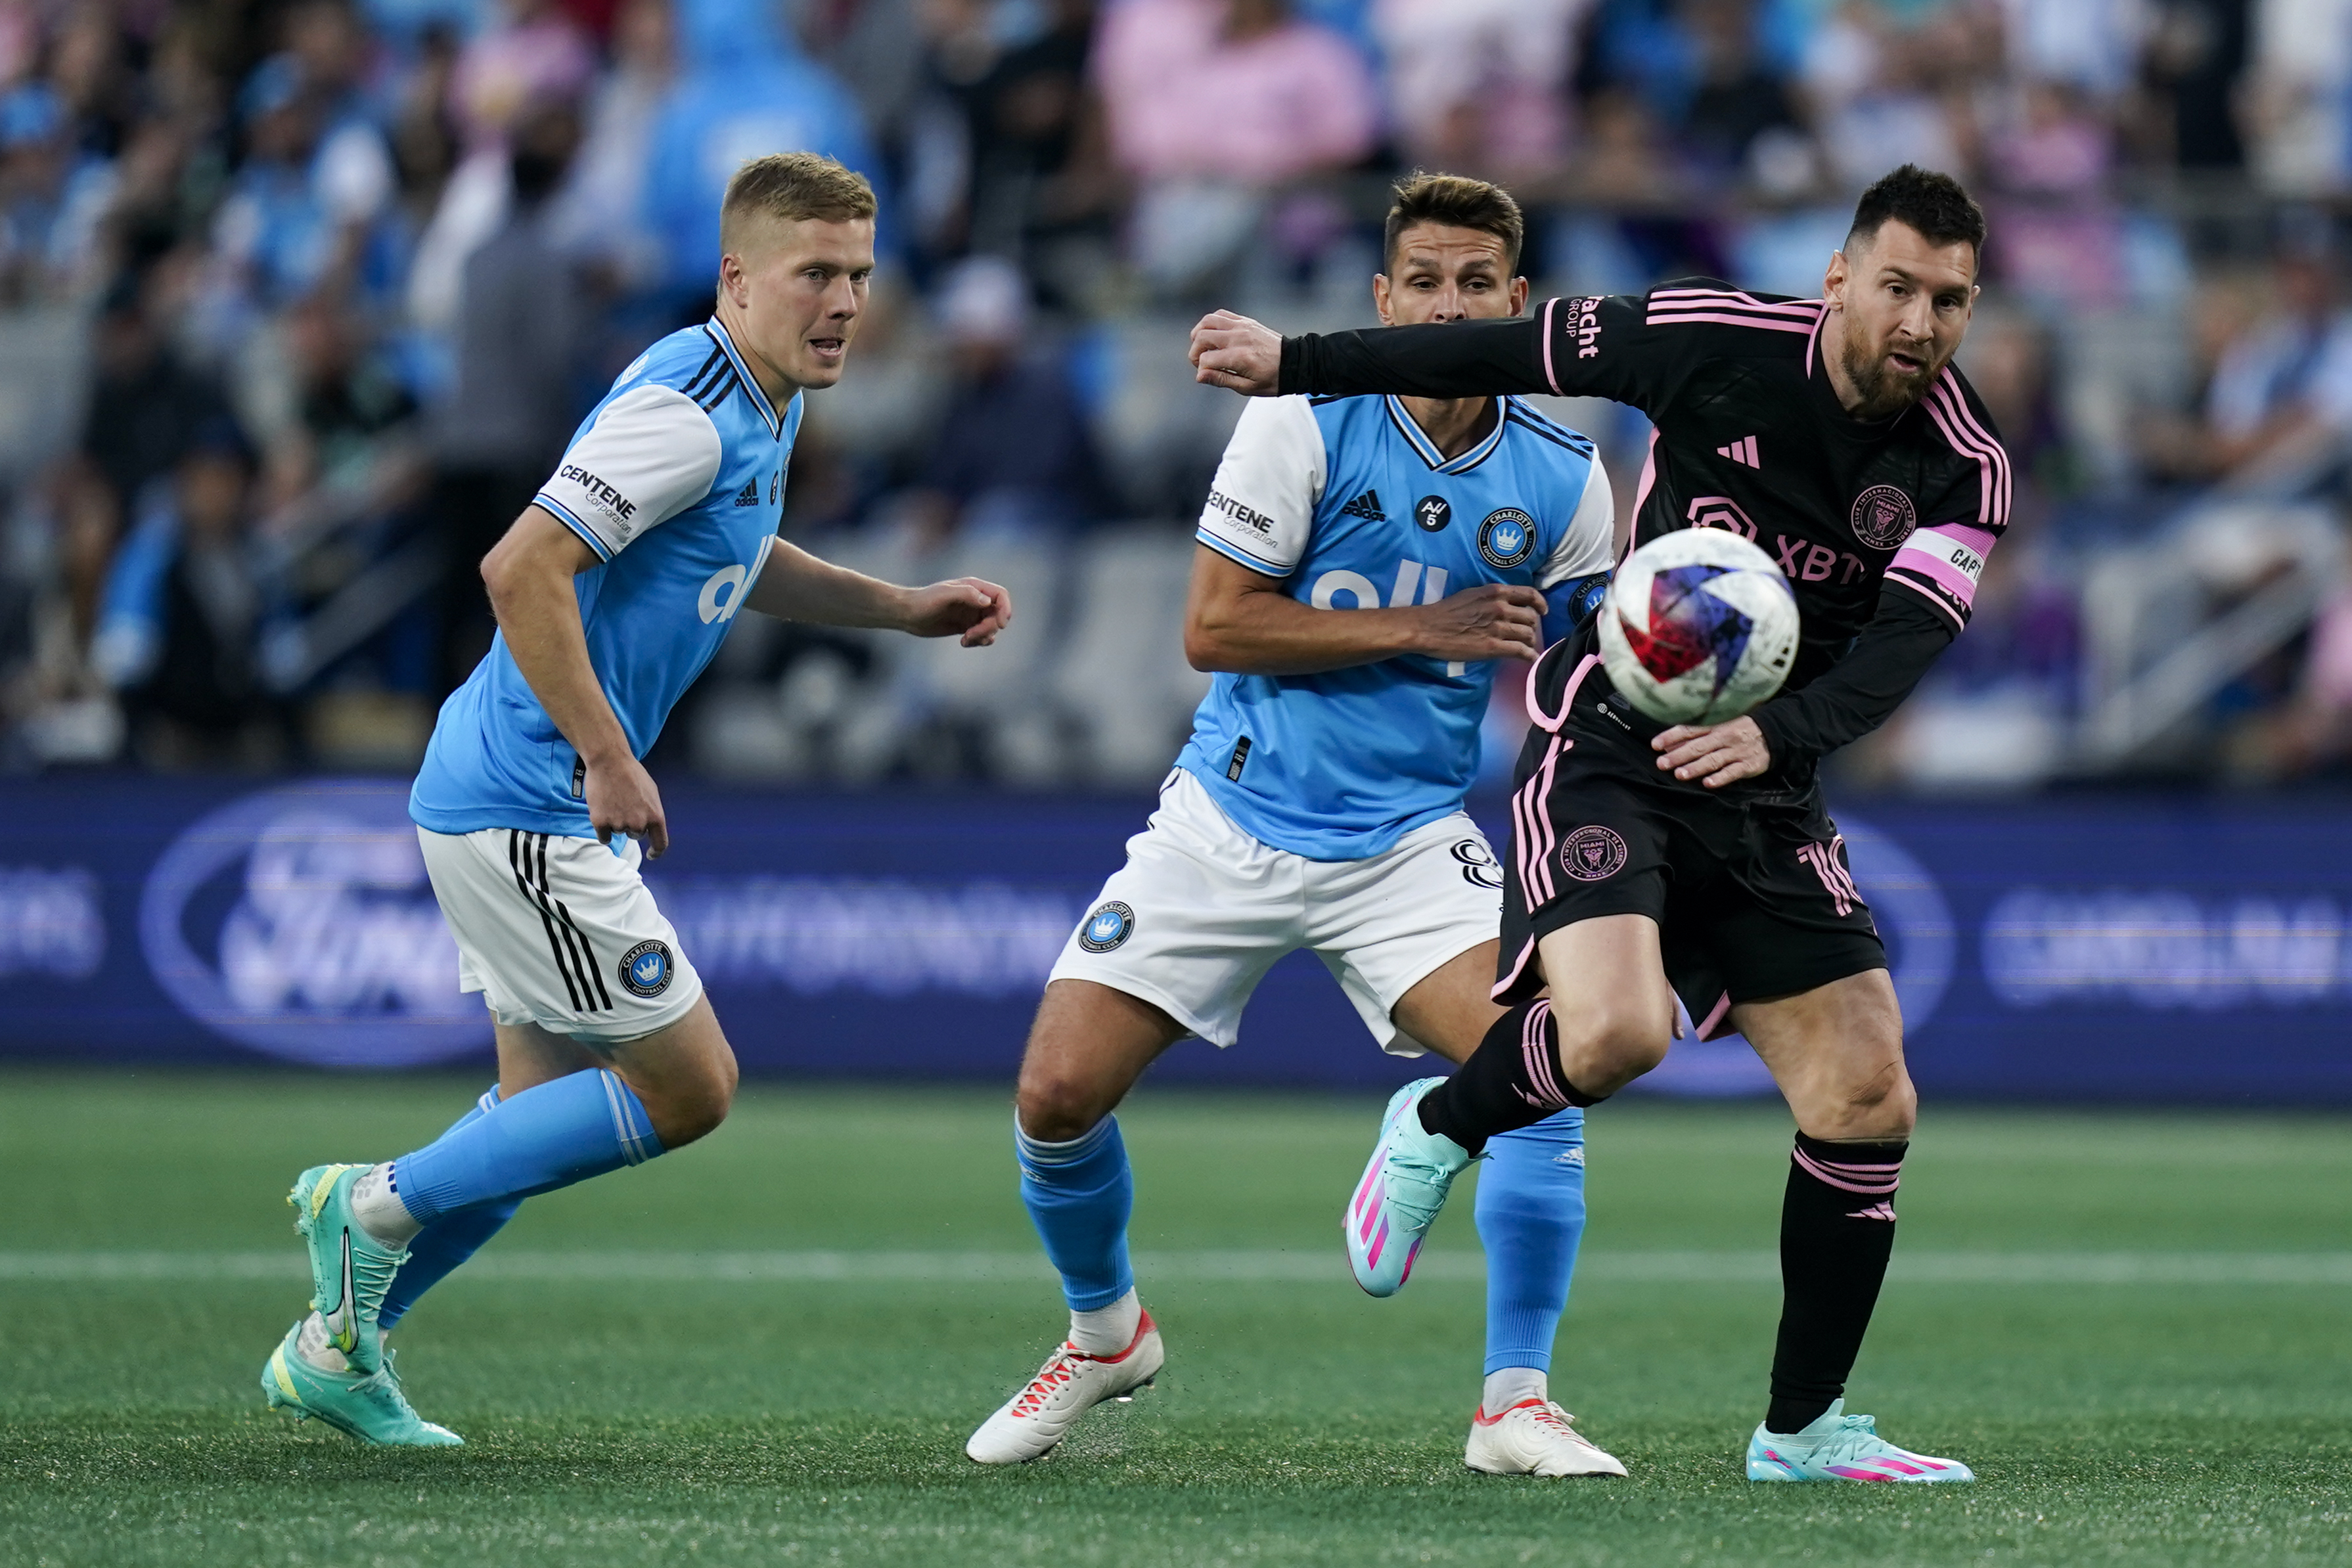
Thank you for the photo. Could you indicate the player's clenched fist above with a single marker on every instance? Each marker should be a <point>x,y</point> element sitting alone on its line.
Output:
<point>969,607</point>
<point>1497,622</point>
<point>622,798</point>
<point>1237,353</point>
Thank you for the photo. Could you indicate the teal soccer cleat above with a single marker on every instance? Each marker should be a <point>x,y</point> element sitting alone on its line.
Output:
<point>1403,1189</point>
<point>1843,1447</point>
<point>350,1270</point>
<point>368,1405</point>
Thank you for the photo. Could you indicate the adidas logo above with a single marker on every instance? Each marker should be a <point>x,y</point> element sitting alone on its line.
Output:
<point>1742,451</point>
<point>1367,506</point>
<point>749,496</point>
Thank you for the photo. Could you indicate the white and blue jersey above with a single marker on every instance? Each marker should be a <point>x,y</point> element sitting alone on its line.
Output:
<point>1349,503</point>
<point>677,481</point>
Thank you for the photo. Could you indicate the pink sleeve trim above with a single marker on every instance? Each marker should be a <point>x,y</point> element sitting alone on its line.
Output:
<point>1551,380</point>
<point>1724,319</point>
<point>1929,594</point>
<point>1933,567</point>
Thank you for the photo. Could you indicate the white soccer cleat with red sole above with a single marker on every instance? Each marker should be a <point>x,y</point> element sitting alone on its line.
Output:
<point>1070,1383</point>
<point>1534,1437</point>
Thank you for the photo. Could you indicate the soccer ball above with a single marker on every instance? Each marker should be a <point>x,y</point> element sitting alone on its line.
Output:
<point>1699,627</point>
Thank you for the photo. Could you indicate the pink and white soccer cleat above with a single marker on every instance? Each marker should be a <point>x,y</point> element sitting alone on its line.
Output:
<point>1534,1437</point>
<point>1843,1447</point>
<point>1070,1383</point>
<point>1400,1193</point>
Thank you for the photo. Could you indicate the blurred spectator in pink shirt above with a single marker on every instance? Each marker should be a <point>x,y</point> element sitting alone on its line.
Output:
<point>1208,103</point>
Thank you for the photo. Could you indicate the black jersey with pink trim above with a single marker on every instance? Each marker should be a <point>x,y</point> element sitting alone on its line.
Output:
<point>1882,527</point>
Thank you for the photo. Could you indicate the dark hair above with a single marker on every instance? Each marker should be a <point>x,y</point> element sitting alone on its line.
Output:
<point>1458,201</point>
<point>1935,204</point>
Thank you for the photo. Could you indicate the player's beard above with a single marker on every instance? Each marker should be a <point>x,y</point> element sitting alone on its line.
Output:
<point>1885,391</point>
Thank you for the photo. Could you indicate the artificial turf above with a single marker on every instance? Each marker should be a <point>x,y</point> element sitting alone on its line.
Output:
<point>708,1400</point>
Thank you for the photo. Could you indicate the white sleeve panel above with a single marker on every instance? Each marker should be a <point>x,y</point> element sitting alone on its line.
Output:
<point>650,454</point>
<point>1262,505</point>
<point>1589,545</point>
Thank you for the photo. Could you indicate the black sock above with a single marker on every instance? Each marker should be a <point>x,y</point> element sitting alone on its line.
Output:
<point>1513,1079</point>
<point>1837,1230</point>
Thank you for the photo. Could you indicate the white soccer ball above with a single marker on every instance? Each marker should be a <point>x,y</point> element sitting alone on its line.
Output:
<point>1699,627</point>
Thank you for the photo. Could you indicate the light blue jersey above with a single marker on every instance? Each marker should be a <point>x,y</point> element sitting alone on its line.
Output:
<point>1349,502</point>
<point>677,481</point>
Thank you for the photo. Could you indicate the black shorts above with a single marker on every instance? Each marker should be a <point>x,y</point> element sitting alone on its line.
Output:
<point>1749,887</point>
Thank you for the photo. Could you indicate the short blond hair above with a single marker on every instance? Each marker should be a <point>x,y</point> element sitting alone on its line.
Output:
<point>792,187</point>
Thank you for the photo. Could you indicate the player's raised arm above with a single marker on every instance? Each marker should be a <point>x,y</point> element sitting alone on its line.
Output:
<point>797,586</point>
<point>1460,359</point>
<point>1634,349</point>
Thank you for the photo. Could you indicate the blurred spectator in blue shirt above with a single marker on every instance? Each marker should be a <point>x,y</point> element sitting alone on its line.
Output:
<point>304,209</point>
<point>180,626</point>
<point>744,90</point>
<point>53,195</point>
<point>1013,452</point>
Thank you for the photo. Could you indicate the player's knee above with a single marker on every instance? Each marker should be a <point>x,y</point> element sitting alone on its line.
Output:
<point>1055,1107</point>
<point>1605,1048</point>
<point>1888,1104</point>
<point>1876,1102</point>
<point>694,1110</point>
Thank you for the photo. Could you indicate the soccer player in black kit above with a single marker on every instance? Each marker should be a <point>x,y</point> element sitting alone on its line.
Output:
<point>1698,861</point>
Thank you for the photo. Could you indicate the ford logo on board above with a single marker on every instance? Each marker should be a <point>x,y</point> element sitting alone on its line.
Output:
<point>298,922</point>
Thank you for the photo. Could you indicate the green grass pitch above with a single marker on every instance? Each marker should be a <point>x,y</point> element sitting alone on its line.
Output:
<point>769,1348</point>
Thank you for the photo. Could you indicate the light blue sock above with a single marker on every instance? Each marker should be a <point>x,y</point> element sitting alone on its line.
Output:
<point>1530,1219</point>
<point>1079,1194</point>
<point>450,1241</point>
<point>543,1138</point>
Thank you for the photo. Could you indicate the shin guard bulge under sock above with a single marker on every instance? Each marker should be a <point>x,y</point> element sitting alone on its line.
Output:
<point>1513,1079</point>
<point>1530,1220</point>
<point>1837,1231</point>
<point>548,1136</point>
<point>1079,1194</point>
<point>441,1247</point>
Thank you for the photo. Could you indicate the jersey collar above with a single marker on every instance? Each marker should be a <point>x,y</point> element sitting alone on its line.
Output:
<point>1427,449</point>
<point>743,372</point>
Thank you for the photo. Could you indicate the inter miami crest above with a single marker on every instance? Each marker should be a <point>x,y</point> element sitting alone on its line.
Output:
<point>1593,853</point>
<point>1883,516</point>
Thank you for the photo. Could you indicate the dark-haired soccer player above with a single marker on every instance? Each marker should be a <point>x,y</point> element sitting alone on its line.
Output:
<point>1362,561</point>
<point>1836,433</point>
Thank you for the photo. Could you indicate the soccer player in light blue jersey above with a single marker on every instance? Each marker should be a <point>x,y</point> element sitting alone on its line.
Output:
<point>1362,563</point>
<point>613,590</point>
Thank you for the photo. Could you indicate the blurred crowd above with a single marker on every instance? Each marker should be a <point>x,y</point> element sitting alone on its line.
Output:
<point>300,298</point>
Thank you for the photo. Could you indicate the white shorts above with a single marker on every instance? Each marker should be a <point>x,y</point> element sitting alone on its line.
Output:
<point>1203,910</point>
<point>560,932</point>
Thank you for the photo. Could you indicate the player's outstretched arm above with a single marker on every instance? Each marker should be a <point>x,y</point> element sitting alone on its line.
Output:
<point>529,576</point>
<point>796,586</point>
<point>1853,697</point>
<point>1456,359</point>
<point>1244,622</point>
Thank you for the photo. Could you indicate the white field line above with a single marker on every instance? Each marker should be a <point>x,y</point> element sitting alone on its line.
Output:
<point>1265,1265</point>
